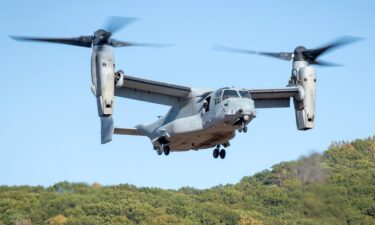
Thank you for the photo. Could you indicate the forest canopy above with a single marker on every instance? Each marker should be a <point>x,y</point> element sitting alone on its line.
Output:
<point>335,187</point>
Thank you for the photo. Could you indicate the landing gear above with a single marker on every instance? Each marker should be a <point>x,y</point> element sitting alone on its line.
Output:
<point>222,153</point>
<point>167,150</point>
<point>217,152</point>
<point>163,149</point>
<point>242,127</point>
<point>241,124</point>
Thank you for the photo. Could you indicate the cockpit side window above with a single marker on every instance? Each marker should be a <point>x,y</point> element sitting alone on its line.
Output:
<point>218,96</point>
<point>230,94</point>
<point>245,94</point>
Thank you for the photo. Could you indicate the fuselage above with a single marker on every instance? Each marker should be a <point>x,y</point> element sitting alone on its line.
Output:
<point>203,120</point>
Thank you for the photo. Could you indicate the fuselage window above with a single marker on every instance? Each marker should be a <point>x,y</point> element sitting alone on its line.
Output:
<point>230,94</point>
<point>245,94</point>
<point>206,104</point>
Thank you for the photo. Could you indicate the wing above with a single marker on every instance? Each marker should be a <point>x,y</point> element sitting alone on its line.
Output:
<point>128,131</point>
<point>273,98</point>
<point>151,91</point>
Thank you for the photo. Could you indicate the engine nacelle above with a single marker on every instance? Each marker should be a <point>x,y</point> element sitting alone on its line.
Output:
<point>103,79</point>
<point>103,87</point>
<point>304,103</point>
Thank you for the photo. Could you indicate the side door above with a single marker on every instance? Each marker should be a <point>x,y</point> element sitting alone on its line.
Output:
<point>211,111</point>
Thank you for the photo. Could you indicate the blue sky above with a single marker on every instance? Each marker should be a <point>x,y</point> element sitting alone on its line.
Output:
<point>49,129</point>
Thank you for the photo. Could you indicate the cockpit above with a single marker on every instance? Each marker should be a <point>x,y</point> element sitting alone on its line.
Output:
<point>230,94</point>
<point>226,93</point>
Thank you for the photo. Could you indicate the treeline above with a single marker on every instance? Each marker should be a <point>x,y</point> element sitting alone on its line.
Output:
<point>337,187</point>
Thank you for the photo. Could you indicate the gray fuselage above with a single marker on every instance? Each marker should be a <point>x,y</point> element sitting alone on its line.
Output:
<point>199,122</point>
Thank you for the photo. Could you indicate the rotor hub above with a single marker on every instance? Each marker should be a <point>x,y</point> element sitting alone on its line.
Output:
<point>298,54</point>
<point>102,37</point>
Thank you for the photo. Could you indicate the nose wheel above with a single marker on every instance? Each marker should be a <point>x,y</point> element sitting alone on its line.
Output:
<point>242,127</point>
<point>219,153</point>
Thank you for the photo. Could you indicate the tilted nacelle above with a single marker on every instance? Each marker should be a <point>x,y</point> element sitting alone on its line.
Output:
<point>304,102</point>
<point>103,80</point>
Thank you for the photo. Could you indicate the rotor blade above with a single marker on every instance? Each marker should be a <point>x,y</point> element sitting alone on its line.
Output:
<point>115,23</point>
<point>281,55</point>
<point>116,43</point>
<point>324,63</point>
<point>83,41</point>
<point>312,54</point>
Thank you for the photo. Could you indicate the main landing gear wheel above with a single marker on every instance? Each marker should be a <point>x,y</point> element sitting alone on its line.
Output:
<point>163,149</point>
<point>222,153</point>
<point>216,153</point>
<point>167,150</point>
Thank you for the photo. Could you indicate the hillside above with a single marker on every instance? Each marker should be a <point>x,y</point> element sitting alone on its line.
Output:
<point>337,187</point>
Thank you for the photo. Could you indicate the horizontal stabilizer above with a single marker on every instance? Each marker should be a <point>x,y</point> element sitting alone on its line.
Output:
<point>128,131</point>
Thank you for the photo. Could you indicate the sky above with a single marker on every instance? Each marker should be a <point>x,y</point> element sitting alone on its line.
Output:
<point>49,127</point>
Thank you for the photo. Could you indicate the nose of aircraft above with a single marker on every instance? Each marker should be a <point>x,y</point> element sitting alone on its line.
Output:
<point>240,106</point>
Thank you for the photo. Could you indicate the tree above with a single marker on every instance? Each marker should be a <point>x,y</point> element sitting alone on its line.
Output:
<point>57,220</point>
<point>23,222</point>
<point>336,187</point>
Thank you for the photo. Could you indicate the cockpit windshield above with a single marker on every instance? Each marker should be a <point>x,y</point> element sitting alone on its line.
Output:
<point>245,94</point>
<point>230,94</point>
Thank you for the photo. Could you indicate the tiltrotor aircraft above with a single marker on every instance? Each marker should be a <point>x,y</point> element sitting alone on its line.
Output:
<point>198,118</point>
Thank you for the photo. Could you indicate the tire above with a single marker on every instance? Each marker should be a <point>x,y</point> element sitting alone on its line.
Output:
<point>215,153</point>
<point>245,129</point>
<point>222,153</point>
<point>167,150</point>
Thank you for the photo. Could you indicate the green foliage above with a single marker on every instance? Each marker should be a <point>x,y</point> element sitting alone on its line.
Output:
<point>57,220</point>
<point>337,187</point>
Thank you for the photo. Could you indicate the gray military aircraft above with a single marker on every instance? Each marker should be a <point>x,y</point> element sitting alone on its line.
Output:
<point>198,118</point>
